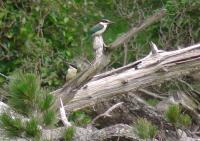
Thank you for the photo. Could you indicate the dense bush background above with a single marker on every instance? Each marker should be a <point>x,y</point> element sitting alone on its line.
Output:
<point>39,36</point>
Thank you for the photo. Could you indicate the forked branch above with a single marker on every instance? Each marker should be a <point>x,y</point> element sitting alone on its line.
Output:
<point>107,113</point>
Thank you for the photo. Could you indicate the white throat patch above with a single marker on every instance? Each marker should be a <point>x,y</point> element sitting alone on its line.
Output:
<point>104,24</point>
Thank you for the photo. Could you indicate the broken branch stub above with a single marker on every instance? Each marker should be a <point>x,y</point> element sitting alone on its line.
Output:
<point>154,48</point>
<point>63,115</point>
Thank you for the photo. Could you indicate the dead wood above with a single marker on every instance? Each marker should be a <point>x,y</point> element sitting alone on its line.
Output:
<point>107,113</point>
<point>102,59</point>
<point>153,69</point>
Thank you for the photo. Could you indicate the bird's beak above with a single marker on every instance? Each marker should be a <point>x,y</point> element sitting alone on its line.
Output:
<point>111,22</point>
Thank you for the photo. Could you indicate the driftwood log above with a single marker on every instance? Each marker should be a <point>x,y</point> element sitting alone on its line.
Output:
<point>153,69</point>
<point>88,88</point>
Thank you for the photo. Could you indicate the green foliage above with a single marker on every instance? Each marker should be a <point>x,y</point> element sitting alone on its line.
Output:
<point>49,117</point>
<point>23,93</point>
<point>46,106</point>
<point>152,131</point>
<point>40,36</point>
<point>79,118</point>
<point>69,133</point>
<point>152,102</point>
<point>12,126</point>
<point>185,119</point>
<point>145,129</point>
<point>46,101</point>
<point>173,115</point>
<point>31,128</point>
<point>26,97</point>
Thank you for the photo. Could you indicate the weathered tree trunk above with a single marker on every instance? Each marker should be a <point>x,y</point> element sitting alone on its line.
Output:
<point>153,69</point>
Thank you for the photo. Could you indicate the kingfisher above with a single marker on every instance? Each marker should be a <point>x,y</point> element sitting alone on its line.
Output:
<point>71,72</point>
<point>100,28</point>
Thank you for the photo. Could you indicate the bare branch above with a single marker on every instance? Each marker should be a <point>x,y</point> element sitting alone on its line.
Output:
<point>125,54</point>
<point>157,96</point>
<point>107,113</point>
<point>4,76</point>
<point>63,115</point>
<point>120,40</point>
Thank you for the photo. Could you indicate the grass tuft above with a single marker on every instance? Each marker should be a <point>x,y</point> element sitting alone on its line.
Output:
<point>185,119</point>
<point>145,129</point>
<point>172,114</point>
<point>69,133</point>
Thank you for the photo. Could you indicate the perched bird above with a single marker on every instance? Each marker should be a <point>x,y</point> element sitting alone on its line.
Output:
<point>100,28</point>
<point>71,72</point>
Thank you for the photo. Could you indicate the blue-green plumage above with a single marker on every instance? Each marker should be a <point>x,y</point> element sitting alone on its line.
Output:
<point>96,28</point>
<point>100,28</point>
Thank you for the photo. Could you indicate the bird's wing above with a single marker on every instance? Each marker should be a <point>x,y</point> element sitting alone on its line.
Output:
<point>96,28</point>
